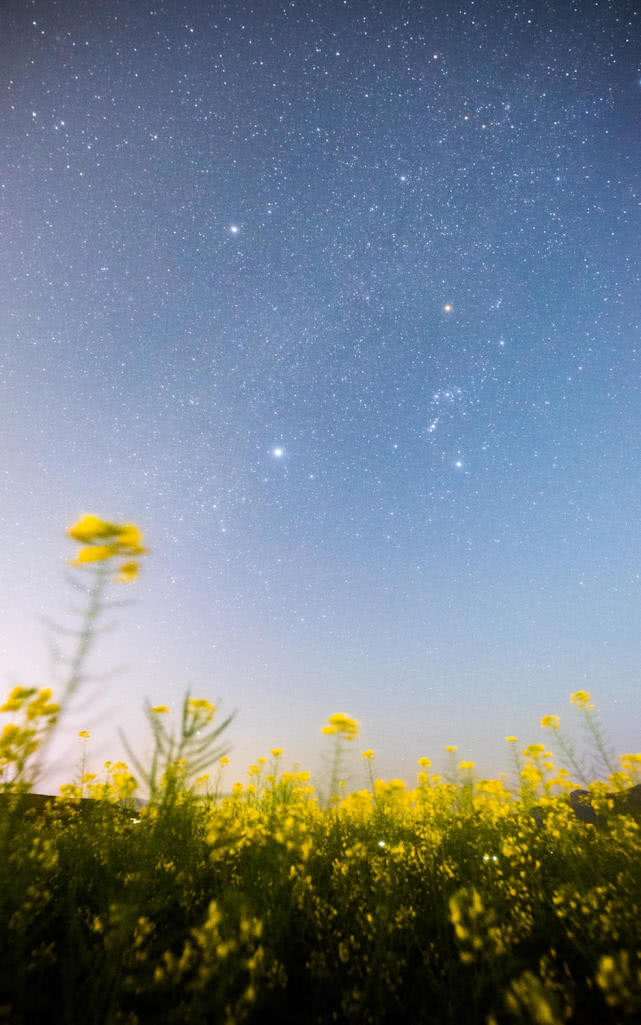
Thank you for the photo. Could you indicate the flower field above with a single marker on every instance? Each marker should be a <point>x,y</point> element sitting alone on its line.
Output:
<point>452,899</point>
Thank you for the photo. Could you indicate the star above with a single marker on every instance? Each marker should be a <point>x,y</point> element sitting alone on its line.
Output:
<point>234,229</point>
<point>278,453</point>
<point>447,308</point>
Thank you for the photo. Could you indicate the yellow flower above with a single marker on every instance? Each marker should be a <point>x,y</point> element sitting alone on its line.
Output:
<point>40,706</point>
<point>424,763</point>
<point>128,572</point>
<point>511,740</point>
<point>16,698</point>
<point>451,747</point>
<point>580,698</point>
<point>201,704</point>
<point>341,723</point>
<point>129,536</point>
<point>550,720</point>
<point>90,527</point>
<point>10,733</point>
<point>630,759</point>
<point>277,752</point>
<point>123,538</point>
<point>95,553</point>
<point>69,790</point>
<point>224,760</point>
<point>533,750</point>
<point>203,708</point>
<point>466,765</point>
<point>85,734</point>
<point>369,754</point>
<point>160,710</point>
<point>531,774</point>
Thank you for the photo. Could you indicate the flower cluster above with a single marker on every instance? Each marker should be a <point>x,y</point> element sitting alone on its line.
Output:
<point>341,724</point>
<point>103,540</point>
<point>19,742</point>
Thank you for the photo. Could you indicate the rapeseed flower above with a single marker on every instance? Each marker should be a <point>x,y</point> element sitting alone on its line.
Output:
<point>580,698</point>
<point>128,572</point>
<point>42,707</point>
<point>17,698</point>
<point>10,733</point>
<point>631,759</point>
<point>89,527</point>
<point>343,725</point>
<point>104,540</point>
<point>160,710</point>
<point>96,553</point>
<point>369,755</point>
<point>551,721</point>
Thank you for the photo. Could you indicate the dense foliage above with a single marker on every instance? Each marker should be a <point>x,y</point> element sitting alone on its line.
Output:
<point>457,900</point>
<point>439,904</point>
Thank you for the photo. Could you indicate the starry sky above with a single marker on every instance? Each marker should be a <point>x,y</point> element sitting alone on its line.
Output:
<point>340,302</point>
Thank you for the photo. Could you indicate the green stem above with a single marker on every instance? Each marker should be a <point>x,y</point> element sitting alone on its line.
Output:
<point>85,640</point>
<point>333,784</point>
<point>87,633</point>
<point>596,734</point>
<point>568,753</point>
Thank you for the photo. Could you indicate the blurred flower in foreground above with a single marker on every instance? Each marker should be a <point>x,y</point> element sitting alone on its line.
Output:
<point>104,540</point>
<point>202,709</point>
<point>342,724</point>
<point>580,698</point>
<point>552,721</point>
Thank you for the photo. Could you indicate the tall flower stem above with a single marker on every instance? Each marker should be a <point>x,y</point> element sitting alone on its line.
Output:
<point>86,634</point>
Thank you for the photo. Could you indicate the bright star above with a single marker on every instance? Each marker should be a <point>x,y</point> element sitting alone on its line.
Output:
<point>448,308</point>
<point>234,229</point>
<point>278,453</point>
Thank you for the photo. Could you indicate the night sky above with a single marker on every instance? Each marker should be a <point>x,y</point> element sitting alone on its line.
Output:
<point>340,302</point>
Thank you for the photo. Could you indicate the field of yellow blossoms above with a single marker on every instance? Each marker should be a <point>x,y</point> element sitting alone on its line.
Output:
<point>451,899</point>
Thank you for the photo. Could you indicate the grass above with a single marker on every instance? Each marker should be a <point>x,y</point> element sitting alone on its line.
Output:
<point>441,902</point>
